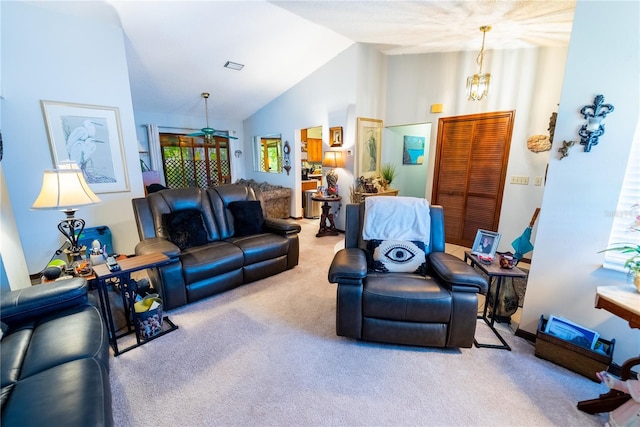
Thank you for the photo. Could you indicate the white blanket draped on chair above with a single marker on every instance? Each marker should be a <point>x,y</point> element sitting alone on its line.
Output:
<point>397,218</point>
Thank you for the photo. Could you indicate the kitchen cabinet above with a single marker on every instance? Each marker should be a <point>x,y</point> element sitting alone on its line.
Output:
<point>314,150</point>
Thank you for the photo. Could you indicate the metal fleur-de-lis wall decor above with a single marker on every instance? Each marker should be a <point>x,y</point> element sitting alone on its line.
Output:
<point>594,128</point>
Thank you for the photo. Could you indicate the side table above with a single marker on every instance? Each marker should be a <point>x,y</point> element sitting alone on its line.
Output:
<point>122,278</point>
<point>624,302</point>
<point>493,271</point>
<point>327,225</point>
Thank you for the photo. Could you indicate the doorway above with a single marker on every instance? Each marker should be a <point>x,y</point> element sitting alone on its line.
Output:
<point>193,162</point>
<point>472,153</point>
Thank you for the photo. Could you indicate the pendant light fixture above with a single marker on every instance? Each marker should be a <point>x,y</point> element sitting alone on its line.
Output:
<point>478,84</point>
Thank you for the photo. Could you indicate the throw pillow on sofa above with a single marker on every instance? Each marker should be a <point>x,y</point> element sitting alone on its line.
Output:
<point>185,228</point>
<point>247,217</point>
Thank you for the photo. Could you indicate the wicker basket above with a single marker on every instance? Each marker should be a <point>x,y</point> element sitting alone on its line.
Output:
<point>578,359</point>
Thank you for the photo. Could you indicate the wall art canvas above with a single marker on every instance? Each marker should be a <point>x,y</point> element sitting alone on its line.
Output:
<point>91,136</point>
<point>368,147</point>
<point>413,152</point>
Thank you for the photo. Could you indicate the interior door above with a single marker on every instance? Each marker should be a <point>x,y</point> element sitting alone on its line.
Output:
<point>470,170</point>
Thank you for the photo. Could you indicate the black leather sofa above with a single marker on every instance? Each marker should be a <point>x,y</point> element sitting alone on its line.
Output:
<point>54,357</point>
<point>435,309</point>
<point>231,244</point>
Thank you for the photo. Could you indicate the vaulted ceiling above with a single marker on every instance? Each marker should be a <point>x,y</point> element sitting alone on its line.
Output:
<point>177,49</point>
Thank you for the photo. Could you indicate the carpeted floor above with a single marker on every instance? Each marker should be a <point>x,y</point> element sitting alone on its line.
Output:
<point>267,354</point>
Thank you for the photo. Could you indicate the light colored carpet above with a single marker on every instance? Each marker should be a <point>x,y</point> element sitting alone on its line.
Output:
<point>267,354</point>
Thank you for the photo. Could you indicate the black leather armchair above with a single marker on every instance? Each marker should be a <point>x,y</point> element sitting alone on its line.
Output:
<point>438,309</point>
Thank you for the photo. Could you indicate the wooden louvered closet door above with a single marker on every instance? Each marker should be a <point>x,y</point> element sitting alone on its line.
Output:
<point>471,165</point>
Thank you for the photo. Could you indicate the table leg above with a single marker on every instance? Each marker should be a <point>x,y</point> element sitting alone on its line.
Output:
<point>327,216</point>
<point>105,307</point>
<point>491,323</point>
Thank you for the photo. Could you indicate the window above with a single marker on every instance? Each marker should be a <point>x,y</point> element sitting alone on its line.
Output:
<point>191,162</point>
<point>626,223</point>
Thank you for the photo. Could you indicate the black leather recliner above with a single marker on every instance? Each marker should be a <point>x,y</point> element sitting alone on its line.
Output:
<point>54,365</point>
<point>226,258</point>
<point>438,309</point>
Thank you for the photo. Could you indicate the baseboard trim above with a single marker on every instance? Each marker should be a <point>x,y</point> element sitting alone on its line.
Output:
<point>526,335</point>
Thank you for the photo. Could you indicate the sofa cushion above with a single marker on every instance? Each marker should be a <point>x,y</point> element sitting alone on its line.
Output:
<point>186,228</point>
<point>76,393</point>
<point>397,256</point>
<point>405,297</point>
<point>81,329</point>
<point>203,262</point>
<point>261,247</point>
<point>247,217</point>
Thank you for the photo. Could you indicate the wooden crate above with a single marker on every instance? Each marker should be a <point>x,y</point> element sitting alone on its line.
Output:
<point>578,359</point>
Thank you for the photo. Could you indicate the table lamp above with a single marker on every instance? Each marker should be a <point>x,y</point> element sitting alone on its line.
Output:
<point>66,189</point>
<point>332,159</point>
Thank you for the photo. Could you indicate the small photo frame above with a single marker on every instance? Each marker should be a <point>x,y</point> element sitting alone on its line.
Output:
<point>571,332</point>
<point>336,136</point>
<point>486,243</point>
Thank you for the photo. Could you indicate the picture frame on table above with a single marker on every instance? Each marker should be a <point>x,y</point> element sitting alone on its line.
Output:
<point>90,135</point>
<point>368,147</point>
<point>571,332</point>
<point>335,135</point>
<point>485,243</point>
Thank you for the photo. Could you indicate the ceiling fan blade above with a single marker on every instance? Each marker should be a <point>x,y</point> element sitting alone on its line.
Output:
<point>196,134</point>
<point>222,135</point>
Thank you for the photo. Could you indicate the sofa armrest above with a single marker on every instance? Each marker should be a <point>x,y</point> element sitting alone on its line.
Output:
<point>348,265</point>
<point>157,244</point>
<point>457,274</point>
<point>27,304</point>
<point>281,226</point>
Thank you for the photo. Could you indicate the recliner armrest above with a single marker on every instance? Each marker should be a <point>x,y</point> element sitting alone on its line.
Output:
<point>281,226</point>
<point>157,244</point>
<point>459,275</point>
<point>348,264</point>
<point>34,302</point>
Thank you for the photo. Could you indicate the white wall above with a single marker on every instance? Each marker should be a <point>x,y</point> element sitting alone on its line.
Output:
<point>322,99</point>
<point>528,81</point>
<point>582,188</point>
<point>412,179</point>
<point>69,57</point>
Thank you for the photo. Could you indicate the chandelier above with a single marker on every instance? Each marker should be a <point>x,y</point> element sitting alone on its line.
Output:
<point>478,84</point>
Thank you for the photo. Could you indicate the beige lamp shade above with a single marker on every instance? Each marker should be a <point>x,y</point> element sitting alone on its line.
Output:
<point>333,159</point>
<point>64,189</point>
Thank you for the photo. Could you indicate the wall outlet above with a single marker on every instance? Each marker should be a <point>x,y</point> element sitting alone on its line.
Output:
<point>538,180</point>
<point>521,180</point>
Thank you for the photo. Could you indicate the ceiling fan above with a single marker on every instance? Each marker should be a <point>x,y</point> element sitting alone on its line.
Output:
<point>207,132</point>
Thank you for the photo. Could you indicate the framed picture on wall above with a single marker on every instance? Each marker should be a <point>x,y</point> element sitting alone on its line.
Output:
<point>335,136</point>
<point>486,243</point>
<point>413,150</point>
<point>368,147</point>
<point>91,136</point>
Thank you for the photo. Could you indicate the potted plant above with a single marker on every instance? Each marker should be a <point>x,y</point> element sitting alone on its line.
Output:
<point>388,172</point>
<point>633,262</point>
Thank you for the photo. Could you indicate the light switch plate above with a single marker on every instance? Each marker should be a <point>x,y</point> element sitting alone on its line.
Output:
<point>520,180</point>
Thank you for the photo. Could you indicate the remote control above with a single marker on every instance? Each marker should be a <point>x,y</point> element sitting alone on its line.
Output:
<point>112,264</point>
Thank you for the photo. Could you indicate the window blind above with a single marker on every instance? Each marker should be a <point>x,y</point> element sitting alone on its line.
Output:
<point>626,223</point>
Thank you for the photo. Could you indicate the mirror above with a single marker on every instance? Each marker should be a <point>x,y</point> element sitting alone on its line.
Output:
<point>267,153</point>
